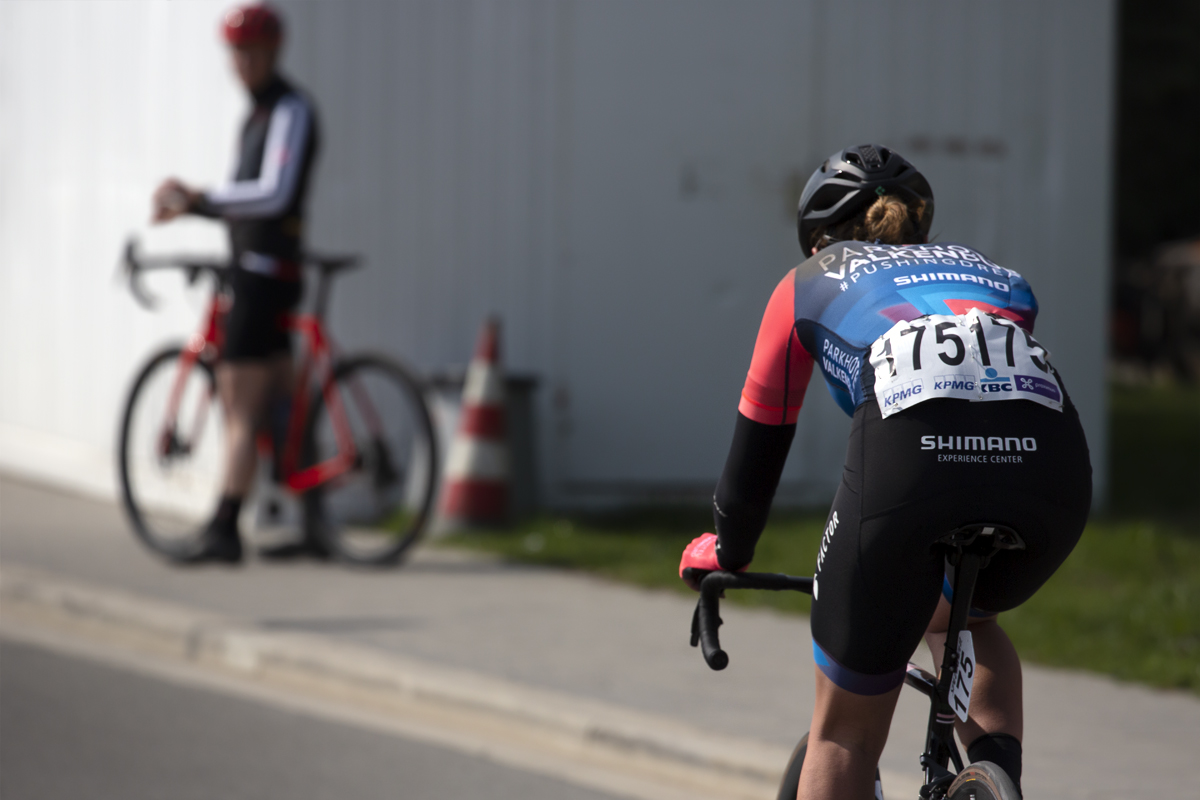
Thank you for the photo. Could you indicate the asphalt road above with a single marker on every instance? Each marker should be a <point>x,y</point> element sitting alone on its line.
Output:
<point>1088,737</point>
<point>72,728</point>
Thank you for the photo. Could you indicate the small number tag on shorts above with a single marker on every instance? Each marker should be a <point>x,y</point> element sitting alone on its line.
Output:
<point>973,356</point>
<point>964,679</point>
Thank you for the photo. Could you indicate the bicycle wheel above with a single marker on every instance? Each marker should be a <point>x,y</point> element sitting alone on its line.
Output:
<point>171,454</point>
<point>372,512</point>
<point>983,780</point>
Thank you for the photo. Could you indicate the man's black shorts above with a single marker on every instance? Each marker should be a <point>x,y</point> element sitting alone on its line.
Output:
<point>254,328</point>
<point>911,479</point>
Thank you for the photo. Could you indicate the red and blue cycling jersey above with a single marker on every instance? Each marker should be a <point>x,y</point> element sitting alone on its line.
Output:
<point>830,309</point>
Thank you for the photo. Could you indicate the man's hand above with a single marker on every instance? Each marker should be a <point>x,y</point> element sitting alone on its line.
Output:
<point>171,199</point>
<point>700,556</point>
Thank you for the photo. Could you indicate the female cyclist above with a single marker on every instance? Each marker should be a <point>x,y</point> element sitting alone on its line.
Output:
<point>958,418</point>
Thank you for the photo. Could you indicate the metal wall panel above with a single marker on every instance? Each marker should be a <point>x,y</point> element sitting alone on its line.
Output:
<point>615,179</point>
<point>1006,106</point>
<point>98,101</point>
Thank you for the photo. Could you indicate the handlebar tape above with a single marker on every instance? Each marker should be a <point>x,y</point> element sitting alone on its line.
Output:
<point>707,619</point>
<point>709,608</point>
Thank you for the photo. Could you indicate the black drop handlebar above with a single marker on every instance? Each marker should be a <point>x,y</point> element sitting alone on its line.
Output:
<point>707,618</point>
<point>133,265</point>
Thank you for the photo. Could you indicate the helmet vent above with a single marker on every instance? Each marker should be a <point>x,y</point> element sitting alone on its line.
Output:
<point>871,155</point>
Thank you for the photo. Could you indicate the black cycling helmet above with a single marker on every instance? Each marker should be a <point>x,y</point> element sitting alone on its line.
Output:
<point>851,179</point>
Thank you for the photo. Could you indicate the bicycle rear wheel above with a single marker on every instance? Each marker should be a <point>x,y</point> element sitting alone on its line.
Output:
<point>374,511</point>
<point>983,780</point>
<point>171,454</point>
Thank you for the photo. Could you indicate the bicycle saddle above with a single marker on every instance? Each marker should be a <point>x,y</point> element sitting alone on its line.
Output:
<point>982,538</point>
<point>331,264</point>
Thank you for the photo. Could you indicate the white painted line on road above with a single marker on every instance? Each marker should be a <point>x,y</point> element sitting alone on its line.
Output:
<point>584,741</point>
<point>589,743</point>
<point>509,747</point>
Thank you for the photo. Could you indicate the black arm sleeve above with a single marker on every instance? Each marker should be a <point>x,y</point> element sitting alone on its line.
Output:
<point>747,487</point>
<point>202,208</point>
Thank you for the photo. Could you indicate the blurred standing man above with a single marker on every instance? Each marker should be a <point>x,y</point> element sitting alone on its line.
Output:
<point>263,206</point>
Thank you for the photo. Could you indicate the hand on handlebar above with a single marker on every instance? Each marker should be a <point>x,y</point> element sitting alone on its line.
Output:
<point>699,559</point>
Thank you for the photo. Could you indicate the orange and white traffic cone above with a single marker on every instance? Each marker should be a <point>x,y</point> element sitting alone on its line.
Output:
<point>477,472</point>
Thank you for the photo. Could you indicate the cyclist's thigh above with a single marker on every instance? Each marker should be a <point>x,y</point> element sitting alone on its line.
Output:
<point>254,327</point>
<point>877,580</point>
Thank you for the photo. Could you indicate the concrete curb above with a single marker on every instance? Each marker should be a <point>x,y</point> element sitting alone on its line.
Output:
<point>333,668</point>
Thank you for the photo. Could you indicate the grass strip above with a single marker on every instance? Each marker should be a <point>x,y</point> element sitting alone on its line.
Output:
<point>1154,452</point>
<point>1126,603</point>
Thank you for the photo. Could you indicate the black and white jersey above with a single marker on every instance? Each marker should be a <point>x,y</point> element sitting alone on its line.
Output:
<point>263,203</point>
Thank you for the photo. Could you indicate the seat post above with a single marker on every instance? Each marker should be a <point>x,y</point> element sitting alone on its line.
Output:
<point>966,572</point>
<point>939,745</point>
<point>970,551</point>
<point>970,548</point>
<point>321,303</point>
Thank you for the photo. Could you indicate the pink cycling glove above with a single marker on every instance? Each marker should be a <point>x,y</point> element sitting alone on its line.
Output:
<point>701,554</point>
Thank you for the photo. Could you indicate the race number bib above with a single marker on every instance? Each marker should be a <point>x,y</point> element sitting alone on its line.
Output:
<point>964,678</point>
<point>973,356</point>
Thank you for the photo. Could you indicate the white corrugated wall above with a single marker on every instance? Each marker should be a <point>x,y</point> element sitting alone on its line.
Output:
<point>98,101</point>
<point>615,178</point>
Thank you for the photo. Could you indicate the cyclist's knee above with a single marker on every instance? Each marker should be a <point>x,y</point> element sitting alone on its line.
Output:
<point>858,723</point>
<point>851,737</point>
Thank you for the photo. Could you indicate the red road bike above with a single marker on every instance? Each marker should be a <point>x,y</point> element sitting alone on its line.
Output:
<point>357,446</point>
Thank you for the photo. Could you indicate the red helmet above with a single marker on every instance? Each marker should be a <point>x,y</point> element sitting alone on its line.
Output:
<point>257,23</point>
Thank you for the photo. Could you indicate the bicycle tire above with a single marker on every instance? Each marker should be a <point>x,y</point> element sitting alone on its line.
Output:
<point>789,787</point>
<point>373,514</point>
<point>983,780</point>
<point>170,521</point>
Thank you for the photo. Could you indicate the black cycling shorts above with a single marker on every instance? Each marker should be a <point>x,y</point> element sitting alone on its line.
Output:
<point>254,326</point>
<point>910,480</point>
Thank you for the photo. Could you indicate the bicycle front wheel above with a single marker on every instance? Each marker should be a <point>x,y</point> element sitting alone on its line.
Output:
<point>378,502</point>
<point>171,453</point>
<point>983,780</point>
